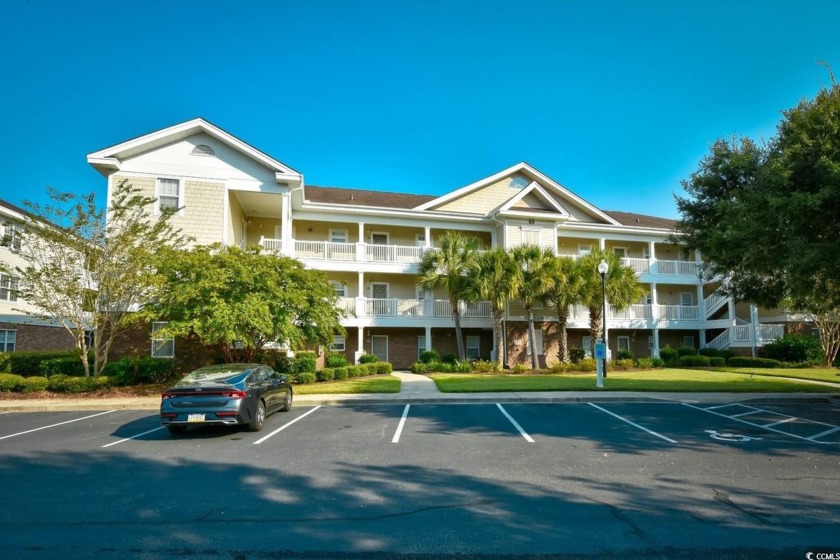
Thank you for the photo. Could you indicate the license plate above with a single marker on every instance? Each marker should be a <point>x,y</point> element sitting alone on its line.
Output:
<point>195,418</point>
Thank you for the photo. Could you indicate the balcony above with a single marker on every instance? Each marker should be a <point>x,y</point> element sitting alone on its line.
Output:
<point>411,308</point>
<point>360,252</point>
<point>642,312</point>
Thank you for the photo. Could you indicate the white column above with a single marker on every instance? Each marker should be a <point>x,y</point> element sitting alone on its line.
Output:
<point>360,347</point>
<point>754,328</point>
<point>428,237</point>
<point>701,303</point>
<point>428,337</point>
<point>654,302</point>
<point>652,257</point>
<point>360,244</point>
<point>731,309</point>
<point>602,244</point>
<point>655,343</point>
<point>360,296</point>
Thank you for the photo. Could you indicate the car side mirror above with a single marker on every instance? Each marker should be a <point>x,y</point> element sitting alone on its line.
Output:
<point>283,378</point>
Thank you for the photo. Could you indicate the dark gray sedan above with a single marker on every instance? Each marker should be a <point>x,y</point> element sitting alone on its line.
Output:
<point>228,394</point>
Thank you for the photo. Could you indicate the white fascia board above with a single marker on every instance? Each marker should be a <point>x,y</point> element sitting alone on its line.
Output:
<point>569,194</point>
<point>317,212</point>
<point>507,208</point>
<point>582,230</point>
<point>105,164</point>
<point>292,179</point>
<point>471,187</point>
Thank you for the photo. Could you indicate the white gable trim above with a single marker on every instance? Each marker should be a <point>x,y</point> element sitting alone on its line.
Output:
<point>531,172</point>
<point>540,192</point>
<point>109,158</point>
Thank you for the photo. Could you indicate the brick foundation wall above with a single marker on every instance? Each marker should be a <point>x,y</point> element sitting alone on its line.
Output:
<point>31,338</point>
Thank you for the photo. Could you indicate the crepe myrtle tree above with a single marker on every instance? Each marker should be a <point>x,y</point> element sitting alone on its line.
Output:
<point>88,267</point>
<point>239,300</point>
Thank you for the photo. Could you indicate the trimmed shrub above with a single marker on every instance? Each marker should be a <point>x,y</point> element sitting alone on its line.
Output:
<point>645,363</point>
<point>622,364</point>
<point>304,362</point>
<point>717,361</point>
<point>449,359</point>
<point>65,366</point>
<point>306,377</point>
<point>34,384</point>
<point>10,382</point>
<point>747,361</point>
<point>429,356</point>
<point>795,348</point>
<point>283,364</point>
<point>326,374</point>
<point>576,354</point>
<point>709,352</point>
<point>624,355</point>
<point>669,355</point>
<point>586,365</point>
<point>341,373</point>
<point>383,368</point>
<point>368,359</point>
<point>67,384</point>
<point>139,371</point>
<point>658,362</point>
<point>29,363</point>
<point>483,366</point>
<point>686,351</point>
<point>560,367</point>
<point>356,371</point>
<point>336,360</point>
<point>519,369</point>
<point>693,361</point>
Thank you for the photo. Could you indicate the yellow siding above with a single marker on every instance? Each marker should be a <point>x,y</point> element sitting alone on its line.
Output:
<point>203,213</point>
<point>484,200</point>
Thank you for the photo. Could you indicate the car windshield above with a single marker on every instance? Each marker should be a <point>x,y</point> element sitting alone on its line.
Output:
<point>224,374</point>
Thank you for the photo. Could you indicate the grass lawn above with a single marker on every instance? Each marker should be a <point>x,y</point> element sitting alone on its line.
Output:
<point>669,379</point>
<point>832,375</point>
<point>375,384</point>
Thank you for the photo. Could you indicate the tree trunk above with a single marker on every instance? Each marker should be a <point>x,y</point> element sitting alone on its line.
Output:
<point>594,326</point>
<point>563,339</point>
<point>459,340</point>
<point>532,340</point>
<point>498,317</point>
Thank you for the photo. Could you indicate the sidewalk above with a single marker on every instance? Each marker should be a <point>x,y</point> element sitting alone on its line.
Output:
<point>419,389</point>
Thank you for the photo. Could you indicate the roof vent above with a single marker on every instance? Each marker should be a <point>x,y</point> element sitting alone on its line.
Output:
<point>203,150</point>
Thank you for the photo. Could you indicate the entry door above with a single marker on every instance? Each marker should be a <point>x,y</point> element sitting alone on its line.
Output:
<point>379,347</point>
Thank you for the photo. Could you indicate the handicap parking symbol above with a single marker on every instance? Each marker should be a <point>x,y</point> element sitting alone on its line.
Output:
<point>729,436</point>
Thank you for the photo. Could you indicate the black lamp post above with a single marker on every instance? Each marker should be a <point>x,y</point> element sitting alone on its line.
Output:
<point>603,268</point>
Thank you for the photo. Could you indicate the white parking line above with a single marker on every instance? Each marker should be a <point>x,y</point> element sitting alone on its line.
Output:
<point>651,432</point>
<point>283,427</point>
<point>515,424</point>
<point>133,437</point>
<point>811,439</point>
<point>396,438</point>
<point>747,413</point>
<point>823,434</point>
<point>783,421</point>
<point>59,424</point>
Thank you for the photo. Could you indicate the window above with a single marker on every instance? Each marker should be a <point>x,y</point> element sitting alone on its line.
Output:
<point>421,346</point>
<point>584,250</point>
<point>379,290</point>
<point>586,342</point>
<point>646,253</point>
<point>530,236</point>
<point>620,252</point>
<point>686,299</point>
<point>340,288</point>
<point>338,236</point>
<point>11,236</point>
<point>421,292</point>
<point>169,194</point>
<point>7,341</point>
<point>474,347</point>
<point>378,238</point>
<point>647,299</point>
<point>339,343</point>
<point>688,341</point>
<point>623,343</point>
<point>420,239</point>
<point>162,347</point>
<point>8,287</point>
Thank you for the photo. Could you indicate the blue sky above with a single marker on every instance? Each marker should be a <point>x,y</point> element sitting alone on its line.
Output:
<point>618,101</point>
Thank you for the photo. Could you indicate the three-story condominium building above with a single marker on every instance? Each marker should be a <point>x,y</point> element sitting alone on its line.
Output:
<point>370,244</point>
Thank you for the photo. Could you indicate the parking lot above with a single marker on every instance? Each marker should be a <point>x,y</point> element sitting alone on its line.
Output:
<point>427,479</point>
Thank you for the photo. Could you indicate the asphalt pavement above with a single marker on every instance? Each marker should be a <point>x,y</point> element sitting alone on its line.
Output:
<point>420,389</point>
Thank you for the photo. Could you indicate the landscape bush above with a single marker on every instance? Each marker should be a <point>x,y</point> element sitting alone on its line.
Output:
<point>645,363</point>
<point>368,359</point>
<point>669,355</point>
<point>709,352</point>
<point>717,361</point>
<point>305,378</point>
<point>686,351</point>
<point>586,365</point>
<point>624,355</point>
<point>34,384</point>
<point>283,364</point>
<point>747,361</point>
<point>336,360</point>
<point>326,374</point>
<point>429,356</point>
<point>66,366</point>
<point>518,369</point>
<point>67,384</point>
<point>693,361</point>
<point>449,359</point>
<point>560,367</point>
<point>304,362</point>
<point>139,371</point>
<point>29,363</point>
<point>10,382</point>
<point>658,362</point>
<point>342,373</point>
<point>797,348</point>
<point>484,366</point>
<point>622,364</point>
<point>576,354</point>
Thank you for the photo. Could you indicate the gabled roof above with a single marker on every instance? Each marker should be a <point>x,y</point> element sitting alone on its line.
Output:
<point>109,158</point>
<point>510,207</point>
<point>533,174</point>
<point>641,220</point>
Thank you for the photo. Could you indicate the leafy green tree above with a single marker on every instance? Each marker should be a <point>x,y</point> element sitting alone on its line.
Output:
<point>623,289</point>
<point>537,278</point>
<point>88,267</point>
<point>495,277</point>
<point>766,216</point>
<point>447,266</point>
<point>241,299</point>
<point>566,292</point>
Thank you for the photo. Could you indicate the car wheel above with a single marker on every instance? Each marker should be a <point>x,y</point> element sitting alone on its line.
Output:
<point>258,419</point>
<point>176,429</point>
<point>287,402</point>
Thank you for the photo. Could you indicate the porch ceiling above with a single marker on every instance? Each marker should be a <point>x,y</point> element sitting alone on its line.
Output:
<point>256,204</point>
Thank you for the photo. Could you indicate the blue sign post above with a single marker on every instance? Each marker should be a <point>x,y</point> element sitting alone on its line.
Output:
<point>600,357</point>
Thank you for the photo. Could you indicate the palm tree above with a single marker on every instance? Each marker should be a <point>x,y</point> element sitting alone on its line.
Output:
<point>566,292</point>
<point>495,277</point>
<point>447,266</point>
<point>623,290</point>
<point>537,279</point>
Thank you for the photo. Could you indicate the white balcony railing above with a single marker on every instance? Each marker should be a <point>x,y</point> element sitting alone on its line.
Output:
<point>676,268</point>
<point>644,312</point>
<point>679,312</point>
<point>640,266</point>
<point>472,309</point>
